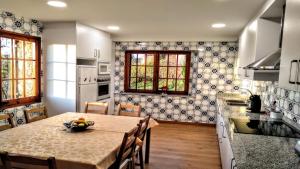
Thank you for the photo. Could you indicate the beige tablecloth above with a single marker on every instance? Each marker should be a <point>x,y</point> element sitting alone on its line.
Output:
<point>95,148</point>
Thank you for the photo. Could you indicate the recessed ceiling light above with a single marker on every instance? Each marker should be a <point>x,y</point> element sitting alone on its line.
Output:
<point>113,28</point>
<point>56,3</point>
<point>218,25</point>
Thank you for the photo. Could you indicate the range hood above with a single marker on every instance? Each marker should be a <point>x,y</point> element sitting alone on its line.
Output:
<point>268,62</point>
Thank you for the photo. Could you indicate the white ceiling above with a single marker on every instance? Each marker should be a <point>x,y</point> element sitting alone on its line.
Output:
<point>162,20</point>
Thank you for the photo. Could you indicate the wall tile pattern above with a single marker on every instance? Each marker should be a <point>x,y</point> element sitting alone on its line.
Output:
<point>212,71</point>
<point>288,101</point>
<point>10,22</point>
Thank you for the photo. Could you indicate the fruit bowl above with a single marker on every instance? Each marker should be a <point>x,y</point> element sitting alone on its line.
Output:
<point>78,125</point>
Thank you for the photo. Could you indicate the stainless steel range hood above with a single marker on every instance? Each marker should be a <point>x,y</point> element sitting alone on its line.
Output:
<point>268,62</point>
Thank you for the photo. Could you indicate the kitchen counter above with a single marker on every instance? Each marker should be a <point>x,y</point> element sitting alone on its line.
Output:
<point>256,151</point>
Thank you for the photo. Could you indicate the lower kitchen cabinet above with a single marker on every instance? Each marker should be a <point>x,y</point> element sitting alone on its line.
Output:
<point>227,158</point>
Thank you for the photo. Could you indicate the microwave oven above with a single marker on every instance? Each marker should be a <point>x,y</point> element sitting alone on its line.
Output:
<point>103,68</point>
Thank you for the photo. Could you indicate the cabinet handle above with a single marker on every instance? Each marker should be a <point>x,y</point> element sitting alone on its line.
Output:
<point>223,129</point>
<point>246,73</point>
<point>220,140</point>
<point>95,52</point>
<point>233,166</point>
<point>298,69</point>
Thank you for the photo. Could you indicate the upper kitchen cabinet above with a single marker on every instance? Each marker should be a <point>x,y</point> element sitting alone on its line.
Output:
<point>104,54</point>
<point>92,44</point>
<point>247,50</point>
<point>259,42</point>
<point>289,63</point>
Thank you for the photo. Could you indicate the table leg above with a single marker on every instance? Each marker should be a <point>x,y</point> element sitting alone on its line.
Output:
<point>147,152</point>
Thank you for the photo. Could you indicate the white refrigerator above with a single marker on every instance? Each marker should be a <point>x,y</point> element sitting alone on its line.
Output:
<point>87,86</point>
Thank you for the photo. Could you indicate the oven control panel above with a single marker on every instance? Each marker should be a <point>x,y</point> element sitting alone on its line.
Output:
<point>103,78</point>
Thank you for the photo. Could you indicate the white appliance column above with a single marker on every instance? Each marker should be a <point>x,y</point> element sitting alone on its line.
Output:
<point>87,86</point>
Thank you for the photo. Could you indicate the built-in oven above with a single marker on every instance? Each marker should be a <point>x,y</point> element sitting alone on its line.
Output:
<point>103,87</point>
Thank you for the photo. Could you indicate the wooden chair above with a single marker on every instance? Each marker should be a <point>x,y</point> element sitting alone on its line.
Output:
<point>128,109</point>
<point>143,125</point>
<point>9,160</point>
<point>124,157</point>
<point>96,107</point>
<point>8,118</point>
<point>30,114</point>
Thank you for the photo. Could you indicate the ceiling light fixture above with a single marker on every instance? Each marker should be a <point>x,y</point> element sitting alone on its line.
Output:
<point>57,4</point>
<point>218,25</point>
<point>113,28</point>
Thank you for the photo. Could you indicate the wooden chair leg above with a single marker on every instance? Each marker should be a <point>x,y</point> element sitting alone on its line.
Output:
<point>132,163</point>
<point>141,158</point>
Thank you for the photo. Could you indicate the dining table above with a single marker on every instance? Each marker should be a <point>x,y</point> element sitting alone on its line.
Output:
<point>94,148</point>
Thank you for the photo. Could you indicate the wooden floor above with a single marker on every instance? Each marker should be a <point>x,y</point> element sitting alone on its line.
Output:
<point>181,146</point>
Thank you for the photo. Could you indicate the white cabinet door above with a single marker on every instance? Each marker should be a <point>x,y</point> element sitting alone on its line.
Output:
<point>83,75</point>
<point>93,75</point>
<point>87,93</point>
<point>290,43</point>
<point>87,74</point>
<point>105,49</point>
<point>227,158</point>
<point>247,50</point>
<point>86,42</point>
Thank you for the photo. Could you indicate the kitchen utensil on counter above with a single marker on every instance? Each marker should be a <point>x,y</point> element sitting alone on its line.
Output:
<point>274,114</point>
<point>255,103</point>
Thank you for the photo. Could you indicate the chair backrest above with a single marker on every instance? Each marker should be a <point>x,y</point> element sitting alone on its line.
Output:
<point>127,148</point>
<point>8,118</point>
<point>128,109</point>
<point>96,107</point>
<point>143,125</point>
<point>35,114</point>
<point>9,159</point>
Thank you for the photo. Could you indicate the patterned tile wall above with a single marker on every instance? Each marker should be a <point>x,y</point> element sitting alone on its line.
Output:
<point>288,101</point>
<point>212,71</point>
<point>10,22</point>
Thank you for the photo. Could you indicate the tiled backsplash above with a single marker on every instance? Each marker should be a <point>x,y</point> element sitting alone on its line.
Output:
<point>212,71</point>
<point>10,22</point>
<point>287,101</point>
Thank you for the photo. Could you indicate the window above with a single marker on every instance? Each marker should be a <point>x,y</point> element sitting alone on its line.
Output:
<point>157,71</point>
<point>61,71</point>
<point>20,69</point>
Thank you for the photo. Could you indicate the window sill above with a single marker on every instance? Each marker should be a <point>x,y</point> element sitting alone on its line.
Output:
<point>3,107</point>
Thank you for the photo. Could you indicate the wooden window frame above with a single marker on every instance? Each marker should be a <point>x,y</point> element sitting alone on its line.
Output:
<point>25,100</point>
<point>156,66</point>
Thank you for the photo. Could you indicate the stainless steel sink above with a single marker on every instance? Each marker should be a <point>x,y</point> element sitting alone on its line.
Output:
<point>236,102</point>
